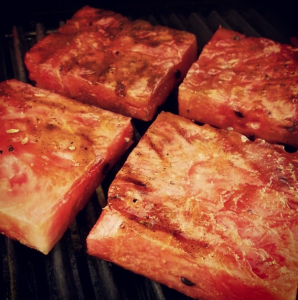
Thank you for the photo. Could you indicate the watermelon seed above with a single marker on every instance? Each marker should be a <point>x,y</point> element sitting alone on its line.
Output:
<point>283,180</point>
<point>238,114</point>
<point>187,282</point>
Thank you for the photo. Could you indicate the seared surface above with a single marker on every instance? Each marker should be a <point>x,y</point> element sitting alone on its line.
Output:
<point>249,84</point>
<point>207,205</point>
<point>68,272</point>
<point>51,162</point>
<point>105,59</point>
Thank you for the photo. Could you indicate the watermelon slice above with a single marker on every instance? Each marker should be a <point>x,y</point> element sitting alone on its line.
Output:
<point>54,152</point>
<point>249,84</point>
<point>206,212</point>
<point>103,58</point>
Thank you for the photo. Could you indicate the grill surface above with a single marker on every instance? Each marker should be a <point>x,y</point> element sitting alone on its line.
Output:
<point>68,272</point>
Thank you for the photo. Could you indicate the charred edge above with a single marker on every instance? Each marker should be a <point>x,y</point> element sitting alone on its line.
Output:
<point>105,169</point>
<point>238,114</point>
<point>178,74</point>
<point>187,282</point>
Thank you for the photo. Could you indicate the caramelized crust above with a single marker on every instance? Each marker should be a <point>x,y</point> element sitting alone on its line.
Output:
<point>249,84</point>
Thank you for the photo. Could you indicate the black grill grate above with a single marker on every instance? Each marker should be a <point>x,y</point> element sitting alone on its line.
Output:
<point>67,272</point>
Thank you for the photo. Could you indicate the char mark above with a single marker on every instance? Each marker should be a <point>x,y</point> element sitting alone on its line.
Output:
<point>135,181</point>
<point>154,147</point>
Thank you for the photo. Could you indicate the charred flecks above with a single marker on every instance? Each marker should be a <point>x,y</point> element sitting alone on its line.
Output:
<point>236,37</point>
<point>10,148</point>
<point>238,114</point>
<point>105,169</point>
<point>1,151</point>
<point>120,89</point>
<point>187,282</point>
<point>178,74</point>
<point>135,200</point>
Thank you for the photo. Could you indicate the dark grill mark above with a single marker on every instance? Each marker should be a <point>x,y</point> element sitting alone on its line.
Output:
<point>155,148</point>
<point>187,282</point>
<point>135,181</point>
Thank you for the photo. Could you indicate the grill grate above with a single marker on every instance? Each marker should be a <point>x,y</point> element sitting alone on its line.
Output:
<point>67,272</point>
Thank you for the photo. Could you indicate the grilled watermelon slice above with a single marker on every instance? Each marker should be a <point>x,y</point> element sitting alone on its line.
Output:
<point>54,152</point>
<point>249,84</point>
<point>206,212</point>
<point>103,58</point>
